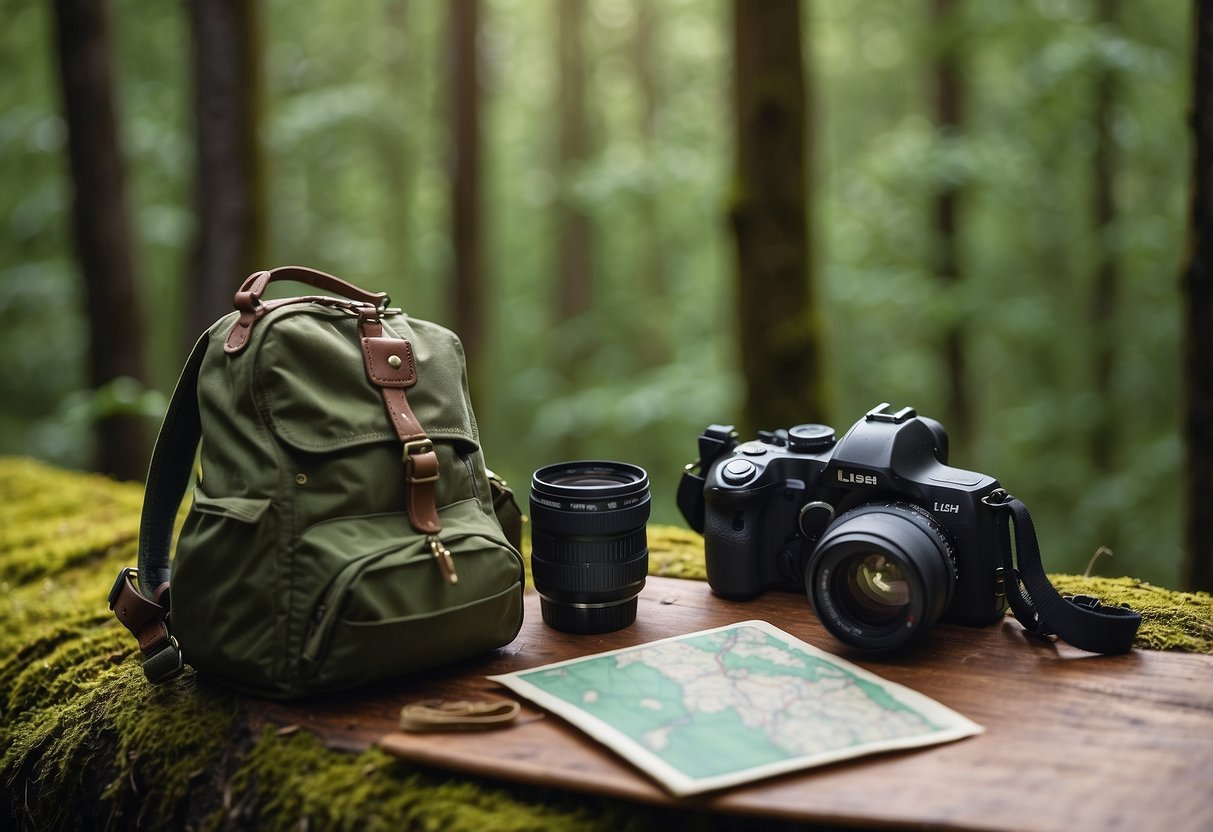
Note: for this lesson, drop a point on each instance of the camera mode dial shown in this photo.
(807, 439)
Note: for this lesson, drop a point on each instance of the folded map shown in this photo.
(734, 704)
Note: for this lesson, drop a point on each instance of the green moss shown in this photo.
(52, 519)
(78, 719)
(294, 782)
(1170, 620)
(676, 553)
(90, 726)
(86, 742)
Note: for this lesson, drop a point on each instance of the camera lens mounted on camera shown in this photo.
(881, 575)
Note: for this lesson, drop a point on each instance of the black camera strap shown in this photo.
(1081, 620)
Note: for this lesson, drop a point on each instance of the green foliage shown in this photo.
(356, 136)
(1028, 254)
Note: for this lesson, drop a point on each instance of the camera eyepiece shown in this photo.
(589, 550)
(881, 575)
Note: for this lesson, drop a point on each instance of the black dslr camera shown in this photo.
(884, 536)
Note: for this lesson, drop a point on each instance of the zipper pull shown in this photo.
(446, 563)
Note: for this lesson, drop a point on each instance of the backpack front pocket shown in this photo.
(386, 608)
(220, 636)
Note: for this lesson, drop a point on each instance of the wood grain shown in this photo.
(1073, 741)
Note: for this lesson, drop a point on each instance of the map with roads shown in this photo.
(734, 704)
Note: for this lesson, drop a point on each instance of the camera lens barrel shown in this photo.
(881, 575)
(589, 549)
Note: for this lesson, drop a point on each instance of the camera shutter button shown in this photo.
(737, 471)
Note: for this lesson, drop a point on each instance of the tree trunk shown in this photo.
(469, 282)
(779, 322)
(1198, 320)
(102, 226)
(229, 175)
(653, 279)
(949, 120)
(575, 266)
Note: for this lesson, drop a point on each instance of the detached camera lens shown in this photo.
(589, 551)
(881, 575)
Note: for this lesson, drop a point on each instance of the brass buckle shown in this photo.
(416, 448)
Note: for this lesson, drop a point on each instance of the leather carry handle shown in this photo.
(254, 286)
(251, 308)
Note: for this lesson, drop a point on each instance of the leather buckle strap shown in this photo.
(146, 620)
(415, 461)
(420, 475)
(390, 367)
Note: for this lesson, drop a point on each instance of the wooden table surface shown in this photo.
(1073, 741)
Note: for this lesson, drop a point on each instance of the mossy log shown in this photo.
(87, 743)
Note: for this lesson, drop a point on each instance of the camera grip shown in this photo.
(731, 553)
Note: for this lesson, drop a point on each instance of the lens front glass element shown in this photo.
(874, 589)
(589, 479)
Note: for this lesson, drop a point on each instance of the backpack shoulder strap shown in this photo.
(143, 608)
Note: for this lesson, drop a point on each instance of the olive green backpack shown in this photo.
(342, 530)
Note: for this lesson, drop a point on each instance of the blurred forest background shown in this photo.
(994, 216)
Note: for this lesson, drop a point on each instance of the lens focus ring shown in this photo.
(598, 522)
(582, 578)
(591, 550)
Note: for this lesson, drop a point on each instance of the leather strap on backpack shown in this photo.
(390, 367)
